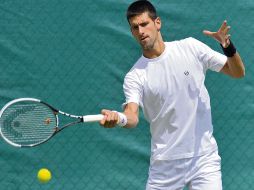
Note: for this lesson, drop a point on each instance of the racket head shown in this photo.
(27, 122)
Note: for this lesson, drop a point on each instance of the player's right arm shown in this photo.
(132, 112)
(111, 118)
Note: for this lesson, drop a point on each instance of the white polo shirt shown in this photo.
(171, 92)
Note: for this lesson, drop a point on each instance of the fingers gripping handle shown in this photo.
(92, 118)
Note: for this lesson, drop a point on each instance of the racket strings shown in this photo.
(28, 123)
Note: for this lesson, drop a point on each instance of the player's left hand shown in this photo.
(221, 35)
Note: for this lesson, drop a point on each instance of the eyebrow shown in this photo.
(137, 24)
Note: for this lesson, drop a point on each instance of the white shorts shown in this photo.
(197, 173)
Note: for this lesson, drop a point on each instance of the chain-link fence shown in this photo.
(74, 55)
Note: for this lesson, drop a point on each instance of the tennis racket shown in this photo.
(28, 122)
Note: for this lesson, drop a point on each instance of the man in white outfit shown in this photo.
(167, 82)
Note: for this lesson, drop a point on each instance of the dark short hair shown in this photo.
(139, 7)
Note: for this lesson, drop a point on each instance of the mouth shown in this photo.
(142, 39)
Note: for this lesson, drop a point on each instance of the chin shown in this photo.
(147, 47)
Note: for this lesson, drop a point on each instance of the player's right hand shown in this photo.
(110, 119)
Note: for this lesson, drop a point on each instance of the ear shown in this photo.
(157, 22)
(131, 31)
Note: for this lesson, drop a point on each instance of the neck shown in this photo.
(156, 51)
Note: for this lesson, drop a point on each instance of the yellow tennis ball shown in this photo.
(44, 175)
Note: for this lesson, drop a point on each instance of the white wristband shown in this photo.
(122, 119)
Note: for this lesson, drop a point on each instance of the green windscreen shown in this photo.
(74, 55)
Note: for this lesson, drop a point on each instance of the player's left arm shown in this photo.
(234, 66)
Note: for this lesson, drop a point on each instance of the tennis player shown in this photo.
(167, 82)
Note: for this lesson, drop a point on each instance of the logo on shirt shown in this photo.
(186, 73)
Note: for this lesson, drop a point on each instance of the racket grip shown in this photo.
(92, 118)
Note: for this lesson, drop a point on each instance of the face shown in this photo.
(145, 30)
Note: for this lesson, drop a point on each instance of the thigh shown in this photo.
(207, 175)
(166, 175)
(211, 181)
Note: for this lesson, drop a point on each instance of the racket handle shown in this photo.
(92, 118)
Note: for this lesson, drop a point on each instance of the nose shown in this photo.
(140, 30)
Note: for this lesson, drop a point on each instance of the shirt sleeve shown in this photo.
(132, 89)
(209, 58)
